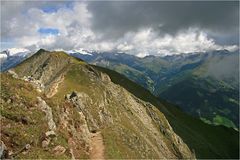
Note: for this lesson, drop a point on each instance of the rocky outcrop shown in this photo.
(36, 83)
(14, 75)
(48, 112)
(79, 134)
(79, 100)
(104, 77)
(3, 151)
(59, 150)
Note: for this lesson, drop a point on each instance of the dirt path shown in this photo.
(54, 88)
(97, 151)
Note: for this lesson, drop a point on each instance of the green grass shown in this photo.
(206, 120)
(233, 101)
(219, 120)
(113, 149)
(202, 97)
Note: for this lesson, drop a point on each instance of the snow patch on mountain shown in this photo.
(13, 56)
(14, 51)
(80, 50)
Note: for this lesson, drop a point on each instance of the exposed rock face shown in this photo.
(3, 151)
(13, 73)
(80, 100)
(85, 115)
(59, 150)
(36, 83)
(48, 111)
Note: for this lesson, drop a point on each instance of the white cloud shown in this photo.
(147, 42)
(74, 25)
(13, 51)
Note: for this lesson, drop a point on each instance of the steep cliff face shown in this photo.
(55, 106)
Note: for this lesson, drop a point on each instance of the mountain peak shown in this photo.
(42, 50)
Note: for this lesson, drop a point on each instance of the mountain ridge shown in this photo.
(85, 103)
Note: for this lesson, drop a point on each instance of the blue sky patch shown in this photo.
(53, 8)
(48, 31)
(49, 9)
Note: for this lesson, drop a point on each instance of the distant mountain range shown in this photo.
(11, 57)
(204, 85)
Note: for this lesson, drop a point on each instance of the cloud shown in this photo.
(230, 71)
(139, 28)
(117, 18)
(148, 42)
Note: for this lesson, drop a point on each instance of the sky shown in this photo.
(137, 27)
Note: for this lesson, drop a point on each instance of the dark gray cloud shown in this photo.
(219, 18)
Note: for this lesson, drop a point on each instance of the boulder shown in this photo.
(59, 150)
(50, 134)
(45, 143)
(3, 151)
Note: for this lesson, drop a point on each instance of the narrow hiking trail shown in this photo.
(97, 150)
(54, 88)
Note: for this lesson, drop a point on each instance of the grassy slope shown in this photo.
(200, 94)
(22, 122)
(207, 141)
